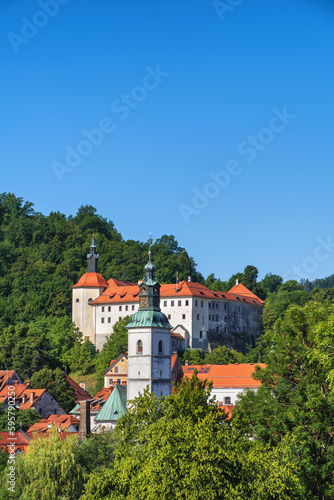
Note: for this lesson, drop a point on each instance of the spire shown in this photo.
(92, 257)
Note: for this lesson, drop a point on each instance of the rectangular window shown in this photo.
(217, 329)
(196, 302)
(110, 381)
(217, 305)
(227, 400)
(169, 316)
(172, 302)
(119, 318)
(197, 316)
(179, 302)
(118, 381)
(109, 320)
(109, 309)
(225, 318)
(225, 306)
(165, 303)
(209, 305)
(116, 369)
(120, 308)
(102, 320)
(209, 317)
(183, 316)
(200, 334)
(187, 302)
(133, 308)
(102, 309)
(126, 308)
(202, 303)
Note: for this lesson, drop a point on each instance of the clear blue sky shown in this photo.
(203, 89)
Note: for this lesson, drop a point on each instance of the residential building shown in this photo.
(28, 398)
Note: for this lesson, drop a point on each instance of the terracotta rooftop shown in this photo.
(229, 375)
(62, 421)
(20, 438)
(7, 374)
(240, 289)
(89, 280)
(130, 293)
(80, 394)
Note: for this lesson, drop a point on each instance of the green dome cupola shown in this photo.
(149, 312)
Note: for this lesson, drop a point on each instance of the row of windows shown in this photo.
(213, 305)
(172, 303)
(118, 381)
(213, 317)
(126, 308)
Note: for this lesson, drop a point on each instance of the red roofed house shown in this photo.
(27, 398)
(14, 442)
(9, 377)
(228, 380)
(80, 394)
(64, 423)
(197, 314)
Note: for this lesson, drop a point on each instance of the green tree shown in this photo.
(49, 470)
(271, 283)
(115, 345)
(193, 356)
(81, 356)
(55, 382)
(296, 395)
(223, 354)
(23, 418)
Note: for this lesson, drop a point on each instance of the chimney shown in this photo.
(24, 399)
(32, 397)
(83, 385)
(189, 278)
(186, 362)
(84, 428)
(237, 282)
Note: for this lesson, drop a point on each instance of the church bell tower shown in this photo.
(149, 344)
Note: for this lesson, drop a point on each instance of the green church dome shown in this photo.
(148, 317)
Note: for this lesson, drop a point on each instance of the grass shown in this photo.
(90, 378)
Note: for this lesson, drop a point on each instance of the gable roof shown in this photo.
(96, 402)
(130, 293)
(7, 376)
(115, 406)
(114, 362)
(80, 394)
(229, 375)
(20, 438)
(240, 289)
(63, 421)
(91, 280)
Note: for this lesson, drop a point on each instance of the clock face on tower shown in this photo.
(143, 302)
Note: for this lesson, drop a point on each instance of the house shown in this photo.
(113, 409)
(117, 372)
(80, 393)
(64, 423)
(9, 377)
(28, 398)
(95, 404)
(229, 380)
(231, 318)
(14, 442)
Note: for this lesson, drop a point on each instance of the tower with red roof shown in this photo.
(89, 287)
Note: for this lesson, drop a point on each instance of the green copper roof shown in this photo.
(115, 406)
(148, 317)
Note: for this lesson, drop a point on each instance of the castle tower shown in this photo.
(149, 344)
(89, 287)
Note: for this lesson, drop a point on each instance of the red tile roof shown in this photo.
(229, 375)
(227, 409)
(5, 375)
(19, 389)
(130, 293)
(240, 289)
(89, 280)
(80, 394)
(20, 438)
(59, 421)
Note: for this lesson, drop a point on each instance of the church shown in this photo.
(196, 316)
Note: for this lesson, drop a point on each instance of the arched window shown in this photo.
(227, 400)
(77, 300)
(139, 347)
(160, 347)
(90, 300)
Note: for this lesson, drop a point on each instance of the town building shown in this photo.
(28, 398)
(199, 317)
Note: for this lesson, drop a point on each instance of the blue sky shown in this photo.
(182, 94)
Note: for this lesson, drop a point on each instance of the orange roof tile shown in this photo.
(80, 394)
(229, 375)
(130, 293)
(240, 289)
(19, 389)
(20, 438)
(91, 280)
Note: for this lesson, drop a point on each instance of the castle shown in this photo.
(197, 315)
